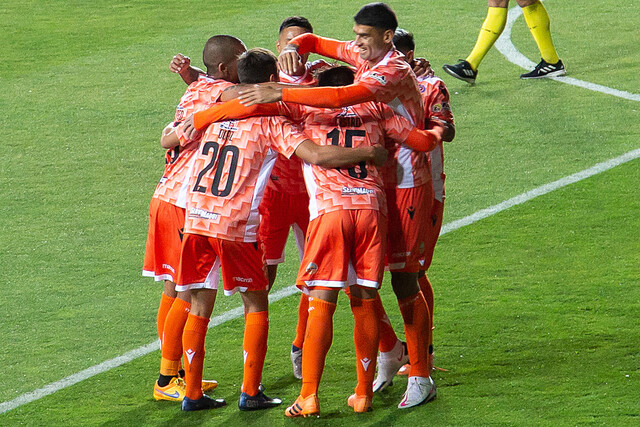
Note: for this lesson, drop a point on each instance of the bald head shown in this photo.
(220, 56)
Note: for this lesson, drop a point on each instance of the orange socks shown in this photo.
(417, 328)
(256, 330)
(195, 331)
(365, 336)
(165, 306)
(303, 314)
(387, 336)
(427, 291)
(172, 340)
(317, 342)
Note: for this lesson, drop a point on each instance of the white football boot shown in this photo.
(419, 390)
(388, 364)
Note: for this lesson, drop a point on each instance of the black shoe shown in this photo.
(462, 70)
(259, 401)
(544, 69)
(205, 402)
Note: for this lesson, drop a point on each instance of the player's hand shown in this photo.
(290, 61)
(260, 94)
(179, 64)
(380, 155)
(188, 129)
(422, 68)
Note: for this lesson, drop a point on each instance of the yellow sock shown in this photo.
(537, 20)
(491, 29)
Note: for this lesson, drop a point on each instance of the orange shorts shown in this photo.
(278, 213)
(162, 253)
(409, 213)
(435, 224)
(242, 263)
(342, 240)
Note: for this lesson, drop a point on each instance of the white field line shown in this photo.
(283, 293)
(507, 48)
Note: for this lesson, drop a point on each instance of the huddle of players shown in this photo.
(220, 179)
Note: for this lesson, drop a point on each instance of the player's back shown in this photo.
(199, 95)
(230, 172)
(357, 187)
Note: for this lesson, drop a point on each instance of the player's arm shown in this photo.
(401, 131)
(324, 97)
(334, 156)
(290, 59)
(424, 140)
(231, 110)
(169, 139)
(181, 65)
(449, 129)
(442, 116)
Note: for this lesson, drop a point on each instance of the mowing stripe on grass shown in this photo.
(513, 55)
(283, 293)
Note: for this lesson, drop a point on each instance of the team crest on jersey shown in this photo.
(422, 88)
(180, 114)
(378, 77)
(436, 108)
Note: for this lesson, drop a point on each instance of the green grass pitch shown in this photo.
(537, 307)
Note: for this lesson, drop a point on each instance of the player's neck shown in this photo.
(374, 61)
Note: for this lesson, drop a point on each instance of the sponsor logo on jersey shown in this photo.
(436, 108)
(356, 191)
(168, 267)
(378, 77)
(201, 213)
(243, 279)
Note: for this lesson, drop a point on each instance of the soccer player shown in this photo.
(167, 212)
(285, 202)
(537, 20)
(383, 75)
(437, 113)
(229, 175)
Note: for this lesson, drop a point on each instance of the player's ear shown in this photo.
(387, 36)
(223, 69)
(273, 78)
(410, 56)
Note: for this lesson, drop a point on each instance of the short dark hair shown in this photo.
(220, 49)
(378, 15)
(296, 21)
(257, 65)
(336, 76)
(403, 40)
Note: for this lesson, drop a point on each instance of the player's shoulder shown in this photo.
(430, 80)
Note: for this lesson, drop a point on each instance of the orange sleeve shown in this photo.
(309, 42)
(423, 140)
(328, 97)
(232, 110)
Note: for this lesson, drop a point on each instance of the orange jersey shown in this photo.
(230, 172)
(358, 187)
(390, 81)
(286, 176)
(437, 108)
(200, 95)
